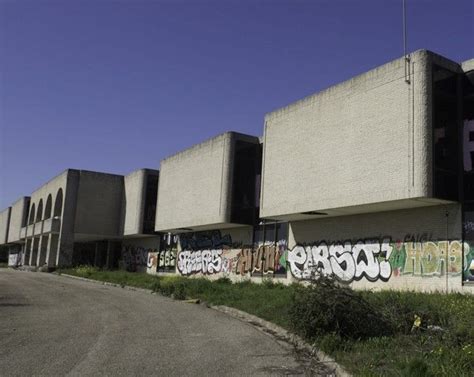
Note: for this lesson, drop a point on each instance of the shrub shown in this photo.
(224, 280)
(86, 270)
(327, 308)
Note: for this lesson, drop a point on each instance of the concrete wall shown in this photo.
(366, 140)
(413, 249)
(405, 249)
(195, 186)
(135, 193)
(214, 254)
(134, 202)
(4, 225)
(468, 65)
(140, 254)
(17, 218)
(99, 205)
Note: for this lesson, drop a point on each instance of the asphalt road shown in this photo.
(55, 326)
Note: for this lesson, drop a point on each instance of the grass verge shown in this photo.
(417, 334)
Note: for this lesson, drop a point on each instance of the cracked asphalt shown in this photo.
(55, 326)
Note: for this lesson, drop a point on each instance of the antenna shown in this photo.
(407, 57)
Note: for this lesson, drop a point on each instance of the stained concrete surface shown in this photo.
(52, 325)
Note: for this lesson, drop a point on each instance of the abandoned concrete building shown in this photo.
(82, 217)
(370, 181)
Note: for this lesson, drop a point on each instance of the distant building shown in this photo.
(82, 217)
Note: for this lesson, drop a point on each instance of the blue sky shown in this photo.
(118, 85)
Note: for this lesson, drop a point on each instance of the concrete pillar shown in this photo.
(42, 250)
(65, 252)
(97, 255)
(34, 251)
(108, 261)
(26, 252)
(52, 250)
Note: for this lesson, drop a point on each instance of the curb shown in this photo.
(285, 335)
(261, 324)
(127, 287)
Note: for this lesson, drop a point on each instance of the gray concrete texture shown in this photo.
(364, 141)
(17, 219)
(4, 224)
(134, 200)
(98, 205)
(60, 326)
(195, 188)
(75, 206)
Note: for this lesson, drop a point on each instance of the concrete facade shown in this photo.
(4, 224)
(370, 181)
(135, 201)
(196, 186)
(351, 187)
(18, 219)
(78, 217)
(360, 146)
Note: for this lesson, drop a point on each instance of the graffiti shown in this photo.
(204, 240)
(418, 237)
(469, 265)
(346, 262)
(167, 260)
(227, 266)
(267, 259)
(469, 226)
(15, 260)
(468, 145)
(244, 261)
(206, 262)
(152, 262)
(161, 261)
(375, 260)
(430, 258)
(135, 257)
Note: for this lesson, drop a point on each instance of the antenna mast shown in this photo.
(406, 56)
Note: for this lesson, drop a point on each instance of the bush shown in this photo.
(86, 270)
(327, 308)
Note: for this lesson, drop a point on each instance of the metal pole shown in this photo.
(407, 58)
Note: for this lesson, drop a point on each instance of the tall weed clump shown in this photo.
(326, 308)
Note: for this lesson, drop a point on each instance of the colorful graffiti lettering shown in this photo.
(469, 265)
(206, 262)
(376, 260)
(267, 259)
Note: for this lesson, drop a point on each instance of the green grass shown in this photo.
(406, 352)
(3, 265)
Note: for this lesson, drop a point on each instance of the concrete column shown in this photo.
(97, 255)
(52, 250)
(108, 260)
(34, 251)
(65, 252)
(42, 250)
(26, 252)
(48, 249)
